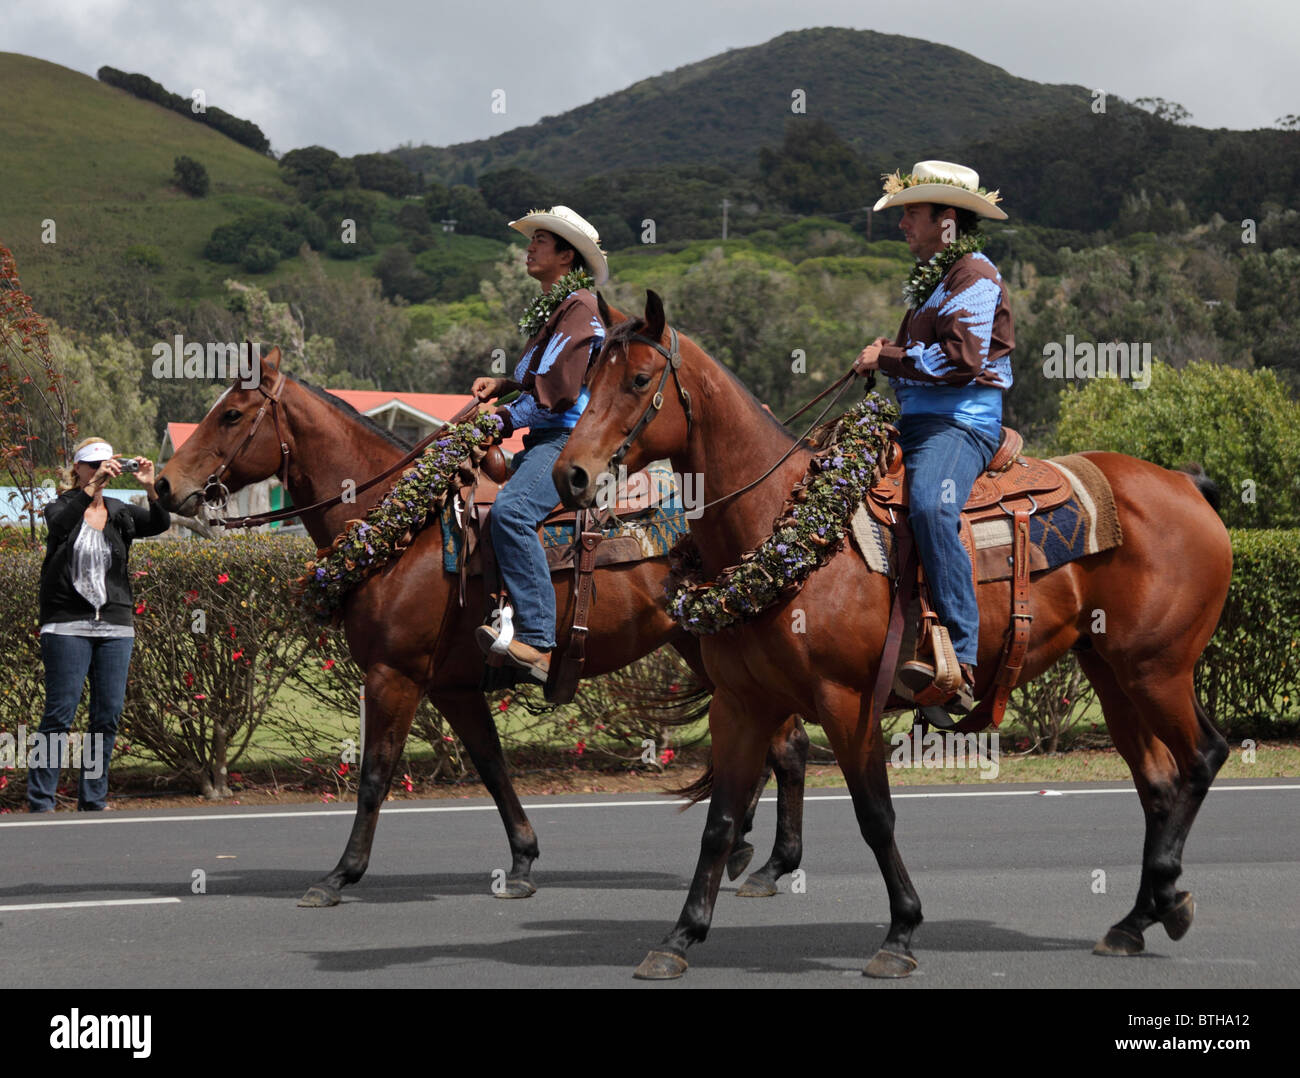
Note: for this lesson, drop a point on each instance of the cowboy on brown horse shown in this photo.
(949, 366)
(563, 331)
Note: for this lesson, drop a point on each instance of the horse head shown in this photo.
(237, 443)
(628, 389)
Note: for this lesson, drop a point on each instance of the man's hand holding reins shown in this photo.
(869, 358)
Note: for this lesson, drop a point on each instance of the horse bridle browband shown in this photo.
(673, 354)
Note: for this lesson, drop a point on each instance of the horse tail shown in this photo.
(1208, 487)
(698, 790)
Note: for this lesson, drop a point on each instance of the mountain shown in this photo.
(891, 97)
(98, 163)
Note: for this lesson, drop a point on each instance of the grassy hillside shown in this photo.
(892, 97)
(99, 163)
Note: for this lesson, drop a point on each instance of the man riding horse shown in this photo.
(563, 330)
(949, 365)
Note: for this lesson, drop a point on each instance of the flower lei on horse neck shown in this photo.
(809, 530)
(540, 310)
(418, 495)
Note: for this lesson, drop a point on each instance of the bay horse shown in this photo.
(406, 629)
(818, 652)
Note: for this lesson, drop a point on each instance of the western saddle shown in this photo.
(1014, 486)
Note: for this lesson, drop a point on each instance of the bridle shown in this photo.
(216, 496)
(673, 354)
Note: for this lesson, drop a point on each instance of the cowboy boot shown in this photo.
(517, 653)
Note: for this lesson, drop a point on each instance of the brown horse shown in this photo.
(818, 652)
(406, 629)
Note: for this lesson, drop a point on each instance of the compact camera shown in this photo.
(129, 464)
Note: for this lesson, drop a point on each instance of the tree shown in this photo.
(190, 176)
(815, 170)
(1240, 426)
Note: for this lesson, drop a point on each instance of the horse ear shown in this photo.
(654, 315)
(272, 358)
(606, 315)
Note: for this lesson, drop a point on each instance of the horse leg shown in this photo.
(787, 757)
(743, 852)
(467, 712)
(859, 747)
(740, 740)
(1174, 752)
(391, 699)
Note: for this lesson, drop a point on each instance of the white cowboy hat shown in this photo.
(562, 221)
(943, 183)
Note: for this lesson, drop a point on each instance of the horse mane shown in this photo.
(351, 413)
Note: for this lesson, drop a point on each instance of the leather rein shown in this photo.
(216, 495)
(673, 355)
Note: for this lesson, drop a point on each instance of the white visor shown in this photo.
(93, 453)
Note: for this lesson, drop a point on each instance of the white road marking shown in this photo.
(78, 820)
(83, 905)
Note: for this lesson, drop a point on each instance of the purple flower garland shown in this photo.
(808, 531)
(369, 544)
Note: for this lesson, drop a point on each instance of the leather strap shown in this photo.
(575, 655)
(897, 618)
(1013, 656)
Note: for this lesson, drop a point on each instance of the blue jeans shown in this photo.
(524, 503)
(935, 451)
(67, 660)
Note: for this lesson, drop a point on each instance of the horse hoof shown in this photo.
(660, 966)
(320, 896)
(741, 854)
(756, 887)
(1119, 943)
(517, 889)
(890, 965)
(1179, 919)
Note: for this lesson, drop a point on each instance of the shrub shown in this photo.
(190, 176)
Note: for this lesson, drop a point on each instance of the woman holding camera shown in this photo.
(86, 615)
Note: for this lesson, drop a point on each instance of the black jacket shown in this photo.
(60, 601)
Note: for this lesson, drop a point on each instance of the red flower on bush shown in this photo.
(236, 654)
(580, 747)
(4, 781)
(667, 756)
(189, 679)
(190, 596)
(200, 696)
(232, 632)
(328, 664)
(503, 705)
(674, 687)
(139, 609)
(407, 784)
(223, 578)
(343, 769)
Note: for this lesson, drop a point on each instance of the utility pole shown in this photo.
(725, 203)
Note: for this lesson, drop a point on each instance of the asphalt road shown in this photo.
(1008, 878)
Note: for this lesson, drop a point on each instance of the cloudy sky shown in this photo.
(359, 77)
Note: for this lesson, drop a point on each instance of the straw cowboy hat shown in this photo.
(562, 221)
(943, 183)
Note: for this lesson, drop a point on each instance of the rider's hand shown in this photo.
(869, 358)
(145, 476)
(486, 388)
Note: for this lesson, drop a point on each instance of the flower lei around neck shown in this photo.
(925, 276)
(809, 530)
(541, 309)
(368, 545)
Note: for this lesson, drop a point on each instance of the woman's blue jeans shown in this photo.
(68, 659)
(943, 459)
(524, 503)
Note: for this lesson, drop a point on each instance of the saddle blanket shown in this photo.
(1086, 524)
(649, 534)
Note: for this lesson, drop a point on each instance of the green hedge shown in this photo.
(196, 699)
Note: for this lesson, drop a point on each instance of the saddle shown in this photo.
(1013, 485)
(639, 496)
